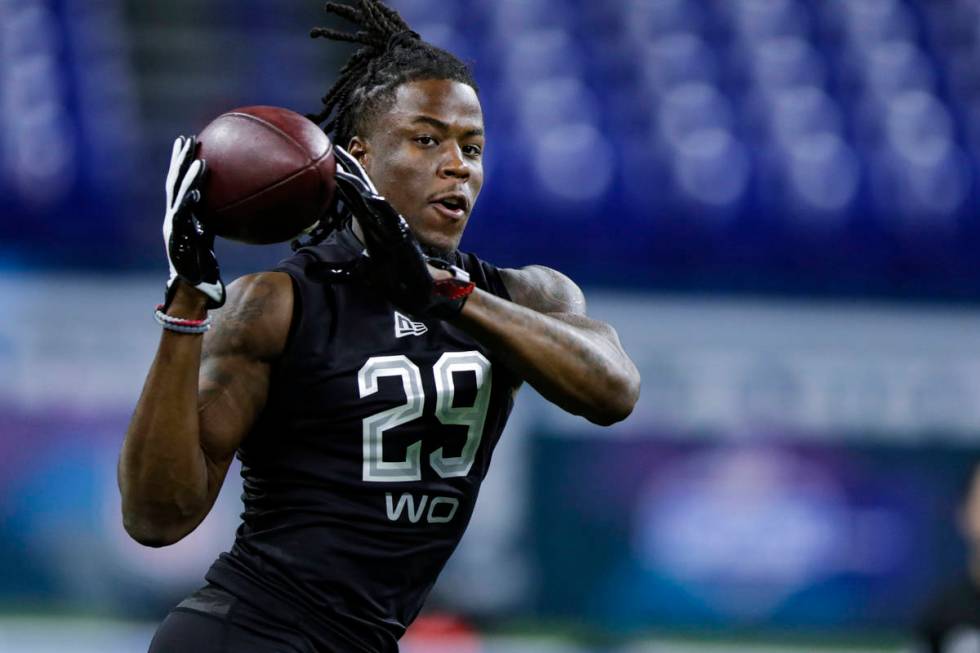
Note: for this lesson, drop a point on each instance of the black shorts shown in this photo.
(213, 621)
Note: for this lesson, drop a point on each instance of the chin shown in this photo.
(435, 236)
(438, 250)
(440, 245)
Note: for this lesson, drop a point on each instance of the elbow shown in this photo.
(148, 535)
(151, 540)
(618, 403)
(150, 532)
(155, 515)
(610, 415)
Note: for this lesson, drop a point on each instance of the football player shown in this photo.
(363, 383)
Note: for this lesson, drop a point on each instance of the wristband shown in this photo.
(453, 289)
(458, 286)
(181, 325)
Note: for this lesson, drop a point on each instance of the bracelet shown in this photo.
(181, 325)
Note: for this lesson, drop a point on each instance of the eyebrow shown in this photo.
(438, 124)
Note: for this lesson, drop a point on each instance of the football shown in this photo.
(270, 174)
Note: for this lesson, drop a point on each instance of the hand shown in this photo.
(397, 261)
(190, 247)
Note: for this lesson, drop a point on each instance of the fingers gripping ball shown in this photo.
(270, 174)
(189, 247)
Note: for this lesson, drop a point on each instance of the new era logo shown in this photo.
(406, 327)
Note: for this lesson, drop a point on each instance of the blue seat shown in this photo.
(755, 19)
(541, 53)
(691, 107)
(894, 66)
(792, 113)
(416, 12)
(864, 22)
(573, 161)
(821, 176)
(784, 61)
(920, 168)
(651, 19)
(678, 58)
(512, 17)
(554, 101)
(711, 170)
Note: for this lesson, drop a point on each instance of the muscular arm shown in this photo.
(544, 335)
(200, 399)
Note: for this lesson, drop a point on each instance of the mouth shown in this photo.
(451, 205)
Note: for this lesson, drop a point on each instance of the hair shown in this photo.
(391, 54)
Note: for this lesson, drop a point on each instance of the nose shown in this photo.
(454, 164)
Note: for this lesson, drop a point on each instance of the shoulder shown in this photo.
(256, 317)
(543, 289)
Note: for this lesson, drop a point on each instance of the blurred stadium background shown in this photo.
(775, 201)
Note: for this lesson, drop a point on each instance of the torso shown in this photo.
(362, 471)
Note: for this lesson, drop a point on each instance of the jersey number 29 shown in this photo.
(472, 417)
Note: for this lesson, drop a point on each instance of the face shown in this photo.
(425, 155)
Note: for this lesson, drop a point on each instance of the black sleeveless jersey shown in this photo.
(361, 473)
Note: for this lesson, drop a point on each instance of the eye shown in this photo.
(473, 150)
(425, 140)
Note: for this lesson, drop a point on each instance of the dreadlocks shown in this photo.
(391, 55)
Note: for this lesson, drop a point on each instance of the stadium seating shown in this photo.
(729, 137)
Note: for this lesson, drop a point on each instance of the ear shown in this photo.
(358, 149)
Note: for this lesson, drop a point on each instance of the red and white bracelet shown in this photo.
(181, 325)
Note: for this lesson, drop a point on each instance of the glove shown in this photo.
(397, 262)
(190, 247)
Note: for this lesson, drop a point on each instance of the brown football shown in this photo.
(270, 174)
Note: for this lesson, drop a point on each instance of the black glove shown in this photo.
(190, 247)
(397, 262)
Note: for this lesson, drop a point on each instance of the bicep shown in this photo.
(544, 290)
(550, 292)
(249, 334)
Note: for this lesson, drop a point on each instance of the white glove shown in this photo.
(190, 246)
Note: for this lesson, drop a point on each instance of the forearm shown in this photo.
(581, 371)
(163, 474)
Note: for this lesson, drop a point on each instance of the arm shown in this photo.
(199, 401)
(544, 335)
